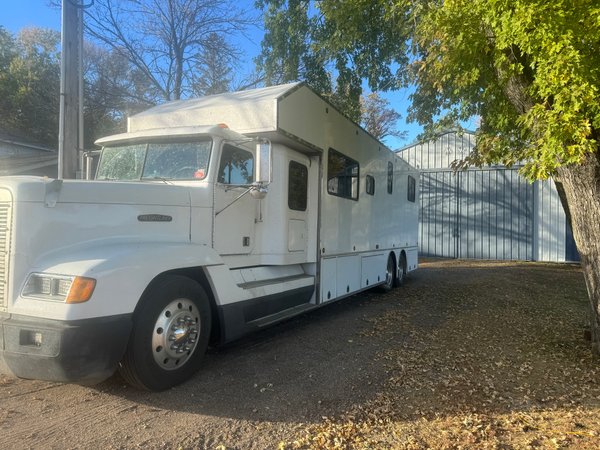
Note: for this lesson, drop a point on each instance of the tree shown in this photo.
(29, 83)
(213, 73)
(7, 49)
(168, 38)
(288, 53)
(114, 89)
(527, 68)
(378, 118)
(302, 43)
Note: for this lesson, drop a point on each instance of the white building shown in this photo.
(22, 156)
(485, 213)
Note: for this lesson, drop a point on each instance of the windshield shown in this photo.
(155, 161)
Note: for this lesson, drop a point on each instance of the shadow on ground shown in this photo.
(314, 365)
(470, 337)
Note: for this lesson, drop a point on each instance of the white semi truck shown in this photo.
(207, 219)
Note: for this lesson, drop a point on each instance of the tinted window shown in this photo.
(370, 182)
(342, 175)
(298, 186)
(412, 187)
(390, 178)
(236, 167)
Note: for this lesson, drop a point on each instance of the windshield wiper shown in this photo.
(157, 178)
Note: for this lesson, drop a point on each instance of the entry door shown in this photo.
(234, 232)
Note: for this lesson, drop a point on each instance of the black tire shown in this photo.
(401, 273)
(390, 275)
(171, 329)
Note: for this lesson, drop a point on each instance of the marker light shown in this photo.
(81, 290)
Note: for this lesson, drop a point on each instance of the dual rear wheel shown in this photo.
(394, 274)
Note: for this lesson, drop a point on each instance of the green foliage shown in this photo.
(7, 49)
(530, 69)
(30, 87)
(290, 51)
(311, 42)
(29, 83)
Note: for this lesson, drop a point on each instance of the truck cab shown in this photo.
(193, 234)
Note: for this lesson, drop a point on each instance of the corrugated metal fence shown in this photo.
(482, 214)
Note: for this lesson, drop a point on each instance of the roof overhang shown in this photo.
(171, 132)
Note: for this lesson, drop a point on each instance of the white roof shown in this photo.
(251, 111)
(170, 132)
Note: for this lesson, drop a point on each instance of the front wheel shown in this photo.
(170, 334)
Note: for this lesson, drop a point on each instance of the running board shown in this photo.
(303, 279)
(285, 314)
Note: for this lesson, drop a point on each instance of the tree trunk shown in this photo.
(581, 185)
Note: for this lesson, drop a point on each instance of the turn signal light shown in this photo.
(81, 290)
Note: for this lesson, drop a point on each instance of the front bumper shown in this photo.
(84, 351)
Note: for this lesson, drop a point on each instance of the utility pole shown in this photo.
(70, 133)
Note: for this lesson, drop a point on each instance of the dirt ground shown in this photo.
(464, 355)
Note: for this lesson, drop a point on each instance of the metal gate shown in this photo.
(478, 213)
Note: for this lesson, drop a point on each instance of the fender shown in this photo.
(122, 271)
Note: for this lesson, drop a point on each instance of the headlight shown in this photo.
(59, 288)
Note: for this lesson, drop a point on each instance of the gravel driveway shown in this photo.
(465, 354)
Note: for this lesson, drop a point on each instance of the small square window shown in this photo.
(412, 188)
(370, 185)
(297, 186)
(342, 175)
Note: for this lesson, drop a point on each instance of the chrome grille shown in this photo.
(5, 225)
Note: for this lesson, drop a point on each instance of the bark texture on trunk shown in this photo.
(581, 185)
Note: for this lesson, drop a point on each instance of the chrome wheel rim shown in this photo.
(175, 334)
(401, 271)
(389, 273)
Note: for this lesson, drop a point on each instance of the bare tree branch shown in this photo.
(163, 39)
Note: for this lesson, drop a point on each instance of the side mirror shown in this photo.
(263, 162)
(258, 191)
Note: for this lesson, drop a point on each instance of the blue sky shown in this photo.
(17, 14)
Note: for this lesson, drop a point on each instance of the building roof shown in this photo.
(439, 152)
(25, 165)
(22, 155)
(22, 140)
